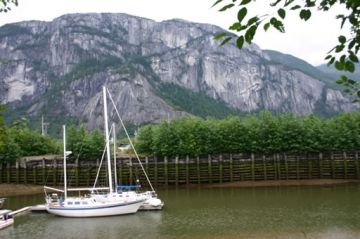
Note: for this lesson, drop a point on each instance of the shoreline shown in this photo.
(9, 190)
(283, 183)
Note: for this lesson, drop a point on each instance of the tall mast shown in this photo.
(107, 140)
(64, 142)
(115, 172)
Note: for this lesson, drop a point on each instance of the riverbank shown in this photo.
(7, 190)
(282, 183)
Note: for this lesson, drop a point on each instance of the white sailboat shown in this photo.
(5, 219)
(152, 201)
(109, 203)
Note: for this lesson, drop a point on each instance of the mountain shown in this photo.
(154, 70)
(332, 73)
(298, 64)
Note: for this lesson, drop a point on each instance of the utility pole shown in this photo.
(44, 126)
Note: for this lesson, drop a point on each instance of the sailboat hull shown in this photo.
(100, 210)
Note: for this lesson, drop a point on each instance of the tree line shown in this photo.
(18, 140)
(259, 133)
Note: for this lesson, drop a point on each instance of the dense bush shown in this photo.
(18, 141)
(262, 133)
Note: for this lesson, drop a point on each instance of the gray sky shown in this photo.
(309, 41)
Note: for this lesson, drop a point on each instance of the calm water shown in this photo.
(321, 212)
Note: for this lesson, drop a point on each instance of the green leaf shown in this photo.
(244, 2)
(277, 24)
(275, 3)
(241, 14)
(339, 48)
(310, 3)
(266, 26)
(226, 7)
(328, 57)
(339, 65)
(240, 42)
(216, 3)
(351, 82)
(342, 39)
(295, 7)
(235, 27)
(349, 66)
(225, 41)
(219, 36)
(282, 13)
(352, 44)
(252, 21)
(305, 14)
(331, 61)
(342, 59)
(353, 57)
(249, 35)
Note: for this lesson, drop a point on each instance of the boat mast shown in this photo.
(115, 173)
(107, 140)
(64, 142)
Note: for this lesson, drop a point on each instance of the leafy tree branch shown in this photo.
(5, 5)
(343, 56)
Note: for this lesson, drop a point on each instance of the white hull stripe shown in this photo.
(93, 208)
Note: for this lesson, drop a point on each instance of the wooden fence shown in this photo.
(189, 170)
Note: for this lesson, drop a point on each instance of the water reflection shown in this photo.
(287, 212)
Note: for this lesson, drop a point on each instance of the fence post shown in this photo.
(345, 166)
(357, 164)
(276, 177)
(278, 166)
(147, 165)
(8, 176)
(130, 171)
(177, 170)
(309, 167)
(55, 172)
(25, 173)
(264, 166)
(198, 169)
(17, 171)
(156, 170)
(220, 168)
(231, 167)
(187, 170)
(43, 171)
(320, 165)
(1, 172)
(166, 171)
(209, 169)
(286, 166)
(77, 174)
(252, 167)
(332, 165)
(297, 167)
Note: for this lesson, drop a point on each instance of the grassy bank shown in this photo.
(7, 190)
(281, 183)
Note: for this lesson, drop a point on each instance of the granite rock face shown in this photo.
(58, 68)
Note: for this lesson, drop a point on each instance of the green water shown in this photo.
(317, 212)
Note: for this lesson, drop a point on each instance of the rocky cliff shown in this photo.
(57, 68)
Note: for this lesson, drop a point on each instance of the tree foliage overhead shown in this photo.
(344, 55)
(5, 5)
(263, 133)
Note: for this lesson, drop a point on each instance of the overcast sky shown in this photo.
(309, 41)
